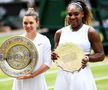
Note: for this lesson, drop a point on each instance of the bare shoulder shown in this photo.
(93, 34)
(92, 31)
(62, 29)
(58, 31)
(57, 38)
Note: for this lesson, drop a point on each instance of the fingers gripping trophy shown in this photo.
(69, 57)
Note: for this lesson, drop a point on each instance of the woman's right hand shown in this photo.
(54, 56)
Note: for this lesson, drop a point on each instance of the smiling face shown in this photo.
(75, 15)
(30, 24)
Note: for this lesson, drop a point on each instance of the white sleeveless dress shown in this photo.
(43, 46)
(82, 80)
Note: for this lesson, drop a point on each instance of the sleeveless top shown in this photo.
(79, 37)
(82, 80)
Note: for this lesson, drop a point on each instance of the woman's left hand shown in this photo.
(84, 62)
(28, 76)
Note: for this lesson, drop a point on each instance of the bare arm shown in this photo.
(46, 62)
(96, 46)
(54, 56)
(41, 70)
(57, 38)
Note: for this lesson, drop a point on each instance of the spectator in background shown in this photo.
(31, 3)
(3, 28)
(6, 1)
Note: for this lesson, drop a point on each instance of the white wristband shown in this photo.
(87, 57)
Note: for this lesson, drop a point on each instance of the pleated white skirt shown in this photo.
(82, 80)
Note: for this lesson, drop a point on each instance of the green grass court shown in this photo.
(99, 70)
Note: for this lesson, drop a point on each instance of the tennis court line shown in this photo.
(101, 78)
(95, 65)
(97, 79)
(98, 64)
(54, 71)
(5, 79)
(51, 86)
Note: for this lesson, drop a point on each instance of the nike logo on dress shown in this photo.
(39, 44)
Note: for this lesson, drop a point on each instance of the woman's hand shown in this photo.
(28, 76)
(54, 56)
(84, 62)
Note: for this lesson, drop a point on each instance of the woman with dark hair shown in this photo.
(35, 80)
(79, 32)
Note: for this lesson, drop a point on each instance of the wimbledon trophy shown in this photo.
(18, 56)
(70, 57)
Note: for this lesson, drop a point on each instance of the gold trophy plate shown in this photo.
(70, 57)
(18, 56)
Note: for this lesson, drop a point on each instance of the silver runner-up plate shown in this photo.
(18, 56)
(70, 57)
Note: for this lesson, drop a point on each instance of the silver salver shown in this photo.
(18, 56)
(70, 57)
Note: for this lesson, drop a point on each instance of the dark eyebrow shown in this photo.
(25, 22)
(70, 14)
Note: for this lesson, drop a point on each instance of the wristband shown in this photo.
(87, 57)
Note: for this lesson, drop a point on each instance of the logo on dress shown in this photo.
(39, 44)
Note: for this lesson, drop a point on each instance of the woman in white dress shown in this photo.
(79, 32)
(35, 80)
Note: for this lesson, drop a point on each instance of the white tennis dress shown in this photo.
(37, 83)
(82, 80)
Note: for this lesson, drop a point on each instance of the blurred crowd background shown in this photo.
(12, 11)
(52, 14)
